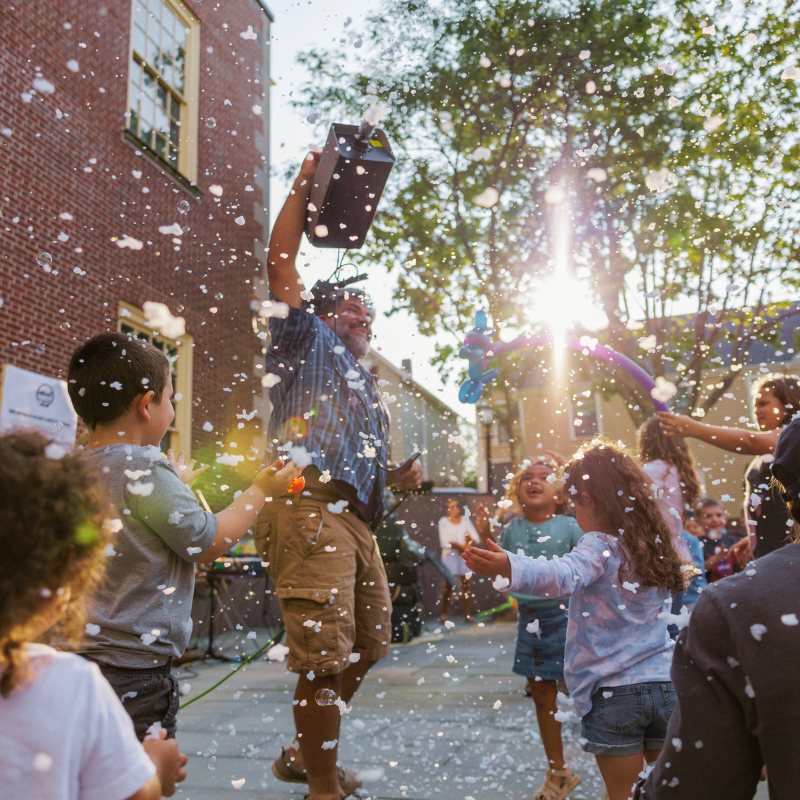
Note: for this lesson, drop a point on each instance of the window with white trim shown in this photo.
(163, 81)
(179, 353)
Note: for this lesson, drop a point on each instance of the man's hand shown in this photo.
(489, 563)
(169, 762)
(480, 519)
(188, 474)
(406, 479)
(308, 169)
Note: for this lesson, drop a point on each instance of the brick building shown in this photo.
(134, 167)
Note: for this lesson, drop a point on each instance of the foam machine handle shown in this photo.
(350, 180)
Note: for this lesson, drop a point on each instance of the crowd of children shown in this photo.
(600, 554)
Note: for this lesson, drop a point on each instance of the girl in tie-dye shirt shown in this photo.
(619, 579)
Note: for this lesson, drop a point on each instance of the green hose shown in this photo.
(242, 664)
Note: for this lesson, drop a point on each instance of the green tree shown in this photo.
(645, 148)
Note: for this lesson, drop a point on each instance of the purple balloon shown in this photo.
(494, 349)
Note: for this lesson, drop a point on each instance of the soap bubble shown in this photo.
(211, 122)
(183, 207)
(218, 296)
(325, 697)
(45, 261)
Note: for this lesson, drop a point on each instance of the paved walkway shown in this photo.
(444, 720)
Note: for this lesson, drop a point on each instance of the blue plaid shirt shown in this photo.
(327, 402)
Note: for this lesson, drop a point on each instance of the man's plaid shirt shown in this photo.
(327, 402)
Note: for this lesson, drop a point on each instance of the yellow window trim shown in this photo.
(187, 155)
(183, 408)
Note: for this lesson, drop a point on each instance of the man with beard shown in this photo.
(321, 554)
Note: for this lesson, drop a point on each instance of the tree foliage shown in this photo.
(666, 128)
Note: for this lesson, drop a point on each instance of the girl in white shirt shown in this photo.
(456, 534)
(64, 735)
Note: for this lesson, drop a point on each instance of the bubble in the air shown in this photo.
(325, 697)
(186, 229)
(45, 261)
(211, 122)
(183, 207)
(219, 296)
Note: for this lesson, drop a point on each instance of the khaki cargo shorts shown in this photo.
(330, 582)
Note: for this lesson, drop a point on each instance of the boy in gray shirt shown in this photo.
(140, 618)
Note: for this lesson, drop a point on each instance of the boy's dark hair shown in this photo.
(708, 502)
(107, 373)
(55, 523)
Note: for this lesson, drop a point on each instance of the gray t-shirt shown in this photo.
(143, 607)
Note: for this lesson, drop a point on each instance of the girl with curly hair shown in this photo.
(619, 580)
(776, 400)
(63, 732)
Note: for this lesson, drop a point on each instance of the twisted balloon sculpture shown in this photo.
(478, 348)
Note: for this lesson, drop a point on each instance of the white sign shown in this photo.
(29, 401)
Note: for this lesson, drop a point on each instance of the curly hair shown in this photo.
(55, 523)
(655, 445)
(620, 493)
(786, 390)
(512, 490)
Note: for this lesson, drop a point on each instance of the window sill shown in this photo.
(192, 188)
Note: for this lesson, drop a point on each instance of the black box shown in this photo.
(350, 180)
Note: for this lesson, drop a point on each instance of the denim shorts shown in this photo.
(148, 695)
(625, 720)
(541, 654)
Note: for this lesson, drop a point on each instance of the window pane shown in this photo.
(140, 14)
(175, 112)
(139, 41)
(161, 144)
(162, 121)
(155, 9)
(173, 135)
(180, 35)
(123, 328)
(149, 86)
(163, 96)
(133, 122)
(178, 82)
(153, 56)
(166, 70)
(168, 21)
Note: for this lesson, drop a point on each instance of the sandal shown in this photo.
(558, 784)
(285, 770)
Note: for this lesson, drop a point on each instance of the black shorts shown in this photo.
(148, 695)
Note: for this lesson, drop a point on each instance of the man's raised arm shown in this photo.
(284, 243)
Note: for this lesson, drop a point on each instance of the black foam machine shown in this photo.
(350, 180)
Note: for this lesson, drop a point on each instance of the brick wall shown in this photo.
(64, 152)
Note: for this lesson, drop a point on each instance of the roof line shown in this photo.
(265, 9)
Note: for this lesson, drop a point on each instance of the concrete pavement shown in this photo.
(445, 719)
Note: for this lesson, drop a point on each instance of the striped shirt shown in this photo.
(328, 403)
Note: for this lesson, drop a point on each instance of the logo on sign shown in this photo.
(45, 395)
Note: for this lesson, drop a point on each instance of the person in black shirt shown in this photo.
(776, 400)
(736, 678)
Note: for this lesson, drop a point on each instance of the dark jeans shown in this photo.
(148, 695)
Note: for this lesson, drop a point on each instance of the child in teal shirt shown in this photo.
(542, 530)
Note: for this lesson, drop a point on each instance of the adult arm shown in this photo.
(734, 440)
(709, 752)
(287, 233)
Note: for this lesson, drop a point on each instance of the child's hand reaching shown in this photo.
(169, 762)
(276, 478)
(480, 519)
(488, 563)
(188, 474)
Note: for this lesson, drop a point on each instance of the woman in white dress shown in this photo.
(456, 534)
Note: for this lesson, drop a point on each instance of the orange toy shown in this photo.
(297, 485)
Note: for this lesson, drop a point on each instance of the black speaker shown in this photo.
(350, 180)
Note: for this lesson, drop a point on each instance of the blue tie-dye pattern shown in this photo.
(621, 641)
